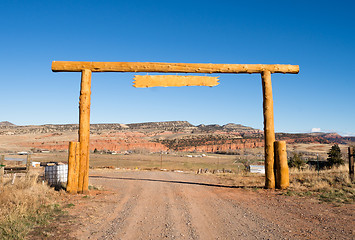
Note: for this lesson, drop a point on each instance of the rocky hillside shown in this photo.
(6, 124)
(172, 126)
(152, 137)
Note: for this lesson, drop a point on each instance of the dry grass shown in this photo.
(332, 185)
(169, 161)
(24, 205)
(242, 179)
(178, 161)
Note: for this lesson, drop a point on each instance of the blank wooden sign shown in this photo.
(145, 81)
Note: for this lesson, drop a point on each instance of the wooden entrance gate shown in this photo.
(86, 69)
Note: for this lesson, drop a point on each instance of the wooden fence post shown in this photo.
(351, 163)
(281, 167)
(2, 168)
(28, 162)
(269, 132)
(84, 130)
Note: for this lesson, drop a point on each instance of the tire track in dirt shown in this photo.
(167, 205)
(160, 213)
(215, 217)
(146, 219)
(181, 214)
(113, 210)
(116, 221)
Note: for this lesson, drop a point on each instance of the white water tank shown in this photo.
(56, 174)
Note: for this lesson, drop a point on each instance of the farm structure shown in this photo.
(15, 165)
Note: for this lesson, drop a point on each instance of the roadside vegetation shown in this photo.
(296, 161)
(330, 185)
(328, 182)
(25, 205)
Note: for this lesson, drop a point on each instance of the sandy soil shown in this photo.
(169, 205)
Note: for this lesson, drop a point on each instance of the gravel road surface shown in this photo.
(171, 205)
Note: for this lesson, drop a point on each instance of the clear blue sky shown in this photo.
(317, 35)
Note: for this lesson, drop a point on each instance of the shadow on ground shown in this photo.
(174, 181)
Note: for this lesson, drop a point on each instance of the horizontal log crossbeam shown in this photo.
(70, 66)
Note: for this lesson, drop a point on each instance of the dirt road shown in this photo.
(168, 205)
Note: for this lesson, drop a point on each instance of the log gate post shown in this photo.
(84, 130)
(269, 132)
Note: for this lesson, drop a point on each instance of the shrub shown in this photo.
(334, 156)
(296, 161)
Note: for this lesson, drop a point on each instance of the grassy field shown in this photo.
(178, 161)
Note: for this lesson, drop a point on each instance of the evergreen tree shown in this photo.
(334, 156)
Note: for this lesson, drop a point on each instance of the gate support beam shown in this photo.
(67, 66)
(282, 176)
(84, 130)
(73, 167)
(269, 132)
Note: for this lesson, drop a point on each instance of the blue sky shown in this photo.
(317, 35)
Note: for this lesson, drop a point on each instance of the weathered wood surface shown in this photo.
(73, 167)
(269, 132)
(28, 162)
(145, 81)
(2, 168)
(281, 167)
(351, 163)
(84, 130)
(16, 169)
(71, 66)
